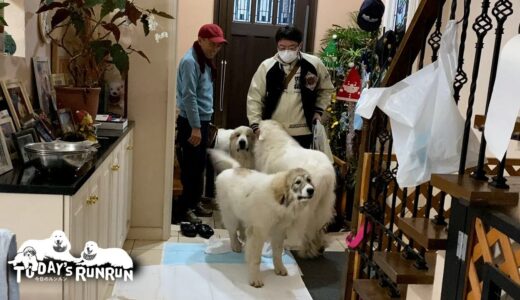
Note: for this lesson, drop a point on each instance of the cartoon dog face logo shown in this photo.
(93, 255)
(60, 242)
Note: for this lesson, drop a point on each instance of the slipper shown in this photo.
(353, 243)
(204, 230)
(188, 229)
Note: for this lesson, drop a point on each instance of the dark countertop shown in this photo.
(26, 179)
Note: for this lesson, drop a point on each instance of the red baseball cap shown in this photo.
(213, 32)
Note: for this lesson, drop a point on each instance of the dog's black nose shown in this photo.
(242, 144)
(310, 191)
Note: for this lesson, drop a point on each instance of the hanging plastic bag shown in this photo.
(320, 141)
(427, 127)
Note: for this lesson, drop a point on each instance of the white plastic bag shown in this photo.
(427, 127)
(320, 141)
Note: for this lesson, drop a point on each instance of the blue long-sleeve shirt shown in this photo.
(194, 90)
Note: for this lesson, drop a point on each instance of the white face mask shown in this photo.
(288, 56)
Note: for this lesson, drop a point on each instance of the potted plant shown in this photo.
(89, 33)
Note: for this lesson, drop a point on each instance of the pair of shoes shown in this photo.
(200, 211)
(190, 230)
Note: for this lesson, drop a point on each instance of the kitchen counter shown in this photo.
(26, 179)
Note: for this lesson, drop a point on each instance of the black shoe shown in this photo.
(200, 211)
(204, 230)
(188, 229)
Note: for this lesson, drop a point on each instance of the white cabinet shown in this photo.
(99, 211)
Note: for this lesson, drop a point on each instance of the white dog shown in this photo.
(239, 143)
(276, 151)
(262, 204)
(92, 255)
(56, 247)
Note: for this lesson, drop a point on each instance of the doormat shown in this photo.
(186, 272)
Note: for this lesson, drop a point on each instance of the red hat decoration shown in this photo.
(350, 90)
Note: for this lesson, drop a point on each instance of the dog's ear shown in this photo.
(280, 189)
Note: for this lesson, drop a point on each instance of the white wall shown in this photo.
(192, 15)
(150, 104)
(20, 67)
(332, 12)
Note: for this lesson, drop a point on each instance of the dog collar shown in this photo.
(59, 248)
(89, 256)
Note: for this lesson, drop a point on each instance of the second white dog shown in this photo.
(262, 204)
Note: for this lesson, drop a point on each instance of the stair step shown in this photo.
(369, 289)
(477, 192)
(480, 120)
(426, 233)
(402, 271)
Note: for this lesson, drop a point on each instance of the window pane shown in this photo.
(264, 11)
(286, 12)
(242, 11)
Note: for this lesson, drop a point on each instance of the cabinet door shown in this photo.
(115, 198)
(103, 218)
(126, 184)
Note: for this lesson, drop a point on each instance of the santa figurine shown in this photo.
(350, 90)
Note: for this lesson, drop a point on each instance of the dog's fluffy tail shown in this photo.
(222, 161)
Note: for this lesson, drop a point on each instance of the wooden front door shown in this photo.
(250, 27)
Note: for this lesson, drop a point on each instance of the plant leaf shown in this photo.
(119, 58)
(100, 49)
(50, 6)
(114, 29)
(146, 26)
(2, 21)
(160, 13)
(141, 53)
(2, 5)
(118, 15)
(107, 7)
(60, 15)
(92, 3)
(120, 4)
(132, 12)
(78, 22)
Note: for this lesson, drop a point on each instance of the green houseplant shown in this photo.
(89, 32)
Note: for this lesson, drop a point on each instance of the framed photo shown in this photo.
(43, 130)
(58, 80)
(23, 138)
(5, 161)
(19, 105)
(42, 77)
(66, 120)
(8, 129)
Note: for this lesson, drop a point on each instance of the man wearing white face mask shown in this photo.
(292, 87)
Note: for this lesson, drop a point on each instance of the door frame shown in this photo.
(220, 5)
(220, 9)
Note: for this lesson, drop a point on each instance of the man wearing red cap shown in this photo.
(195, 78)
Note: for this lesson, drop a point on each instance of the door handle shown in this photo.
(223, 88)
(221, 83)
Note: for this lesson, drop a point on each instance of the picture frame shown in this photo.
(44, 88)
(66, 120)
(8, 129)
(22, 138)
(58, 80)
(43, 130)
(18, 102)
(6, 164)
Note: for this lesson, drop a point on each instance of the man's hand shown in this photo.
(195, 137)
(317, 117)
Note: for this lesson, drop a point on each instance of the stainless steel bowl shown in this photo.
(59, 156)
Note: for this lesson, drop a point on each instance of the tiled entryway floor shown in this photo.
(149, 252)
